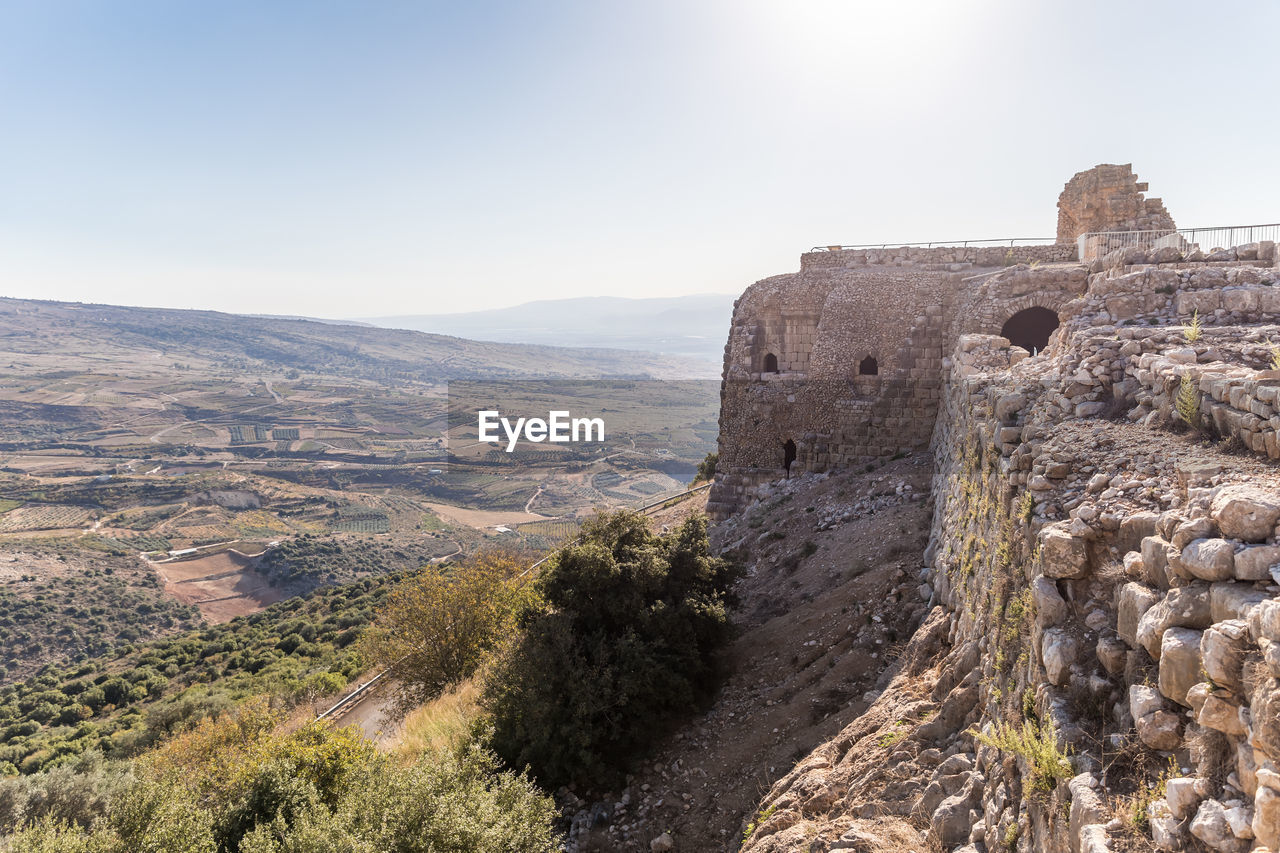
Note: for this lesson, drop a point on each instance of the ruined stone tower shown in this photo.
(842, 362)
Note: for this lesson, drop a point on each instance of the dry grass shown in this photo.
(443, 724)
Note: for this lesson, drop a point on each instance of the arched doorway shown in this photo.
(1030, 328)
(868, 367)
(788, 456)
(770, 363)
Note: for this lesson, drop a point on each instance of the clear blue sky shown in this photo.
(347, 159)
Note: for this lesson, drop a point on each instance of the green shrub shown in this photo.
(706, 468)
(621, 641)
(1187, 401)
(1038, 746)
(238, 785)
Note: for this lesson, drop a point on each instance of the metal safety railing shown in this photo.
(949, 244)
(1096, 244)
(353, 698)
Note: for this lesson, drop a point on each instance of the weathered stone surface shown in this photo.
(1234, 601)
(1093, 839)
(1155, 560)
(1086, 807)
(1186, 607)
(1266, 817)
(1135, 600)
(1264, 620)
(1240, 819)
(1058, 652)
(1209, 559)
(1167, 833)
(1180, 663)
(1008, 406)
(950, 823)
(1220, 715)
(1210, 826)
(1062, 554)
(1111, 652)
(1254, 563)
(1050, 607)
(1182, 796)
(1245, 512)
(1157, 727)
(1264, 711)
(1189, 531)
(1223, 647)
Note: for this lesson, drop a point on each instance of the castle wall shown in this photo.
(822, 322)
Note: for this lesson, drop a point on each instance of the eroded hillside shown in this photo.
(822, 617)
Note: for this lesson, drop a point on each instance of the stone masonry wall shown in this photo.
(1124, 595)
(818, 399)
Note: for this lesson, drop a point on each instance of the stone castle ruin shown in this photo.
(842, 362)
(1099, 669)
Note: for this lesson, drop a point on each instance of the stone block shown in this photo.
(1254, 562)
(1186, 607)
(1223, 647)
(1245, 512)
(1134, 600)
(1209, 559)
(1063, 555)
(1180, 663)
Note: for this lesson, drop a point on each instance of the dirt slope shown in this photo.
(831, 595)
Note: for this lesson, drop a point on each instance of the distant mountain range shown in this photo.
(690, 326)
(114, 337)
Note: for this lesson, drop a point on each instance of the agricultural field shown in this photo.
(296, 651)
(171, 439)
(69, 604)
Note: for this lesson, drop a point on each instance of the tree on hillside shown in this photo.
(438, 626)
(621, 640)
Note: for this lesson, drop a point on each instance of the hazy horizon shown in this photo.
(328, 160)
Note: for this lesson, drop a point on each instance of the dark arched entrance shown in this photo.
(868, 367)
(1030, 328)
(788, 455)
(770, 363)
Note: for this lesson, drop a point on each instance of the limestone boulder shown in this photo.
(1253, 563)
(1155, 560)
(1220, 715)
(1210, 825)
(1223, 647)
(1209, 559)
(1229, 600)
(1058, 651)
(1184, 607)
(1008, 406)
(1111, 651)
(1050, 608)
(1157, 726)
(1245, 512)
(1180, 663)
(1266, 817)
(1264, 620)
(1183, 796)
(1063, 555)
(1134, 600)
(1188, 531)
(1264, 711)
